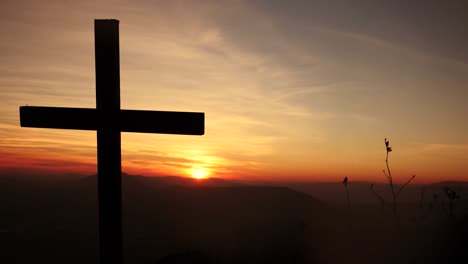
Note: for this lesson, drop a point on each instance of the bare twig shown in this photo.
(452, 196)
(345, 183)
(390, 178)
(380, 198)
(386, 175)
(421, 199)
(404, 185)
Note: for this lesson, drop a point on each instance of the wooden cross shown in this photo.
(109, 120)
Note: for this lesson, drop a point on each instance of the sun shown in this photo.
(198, 173)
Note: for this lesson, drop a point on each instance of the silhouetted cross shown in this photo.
(109, 120)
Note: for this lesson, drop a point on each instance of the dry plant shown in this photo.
(394, 191)
(378, 196)
(421, 198)
(345, 183)
(452, 195)
(389, 176)
(421, 203)
(350, 221)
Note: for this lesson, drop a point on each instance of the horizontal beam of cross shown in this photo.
(141, 121)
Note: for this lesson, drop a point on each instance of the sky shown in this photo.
(291, 90)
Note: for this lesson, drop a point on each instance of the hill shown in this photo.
(221, 221)
(335, 194)
(57, 221)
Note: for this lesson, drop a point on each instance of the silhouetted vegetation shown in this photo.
(378, 196)
(394, 191)
(452, 196)
(345, 183)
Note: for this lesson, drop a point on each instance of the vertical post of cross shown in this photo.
(106, 34)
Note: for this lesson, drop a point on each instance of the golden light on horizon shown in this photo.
(198, 173)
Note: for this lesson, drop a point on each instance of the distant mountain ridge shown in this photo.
(175, 181)
(167, 213)
(334, 192)
(329, 192)
(210, 186)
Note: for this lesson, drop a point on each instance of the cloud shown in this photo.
(279, 82)
(458, 150)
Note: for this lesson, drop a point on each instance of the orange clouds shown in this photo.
(286, 96)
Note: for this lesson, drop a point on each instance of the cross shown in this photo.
(109, 120)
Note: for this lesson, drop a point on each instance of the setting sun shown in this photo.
(198, 173)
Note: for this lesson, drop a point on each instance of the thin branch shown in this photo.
(421, 200)
(347, 197)
(386, 175)
(404, 185)
(382, 200)
(390, 178)
(388, 168)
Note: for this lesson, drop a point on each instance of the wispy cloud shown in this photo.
(281, 84)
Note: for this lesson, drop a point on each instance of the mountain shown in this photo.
(56, 221)
(161, 215)
(360, 194)
(165, 181)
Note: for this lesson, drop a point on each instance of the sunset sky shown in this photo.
(291, 90)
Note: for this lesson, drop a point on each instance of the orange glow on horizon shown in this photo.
(198, 173)
(38, 161)
(28, 163)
